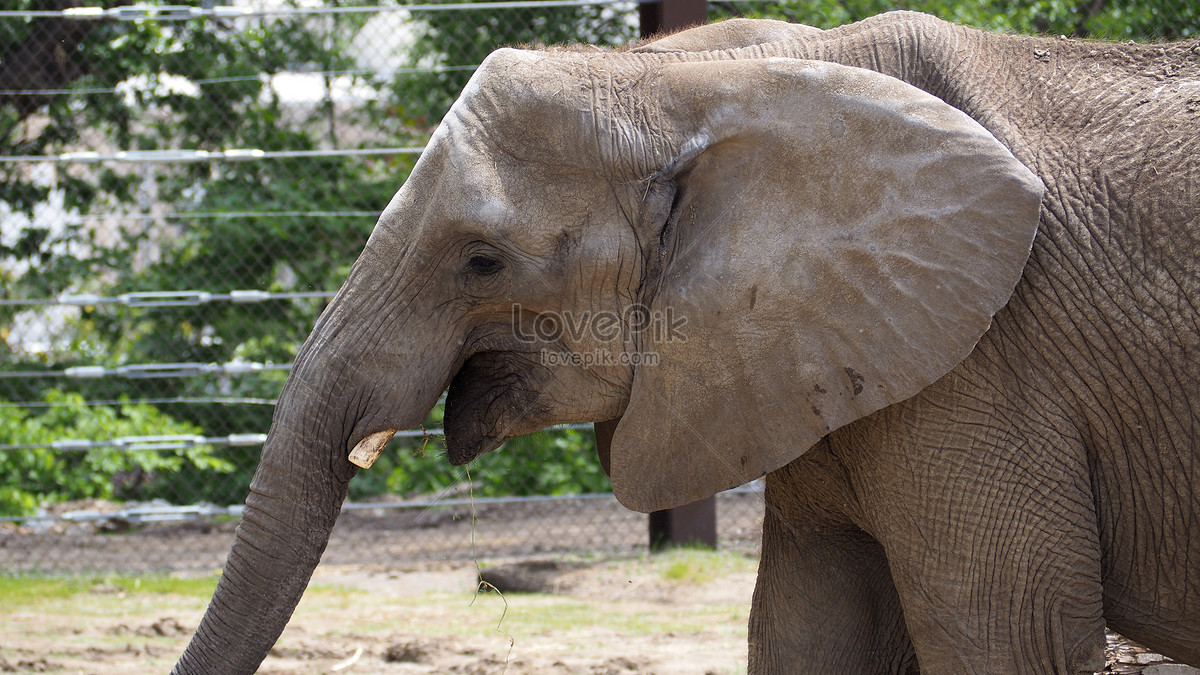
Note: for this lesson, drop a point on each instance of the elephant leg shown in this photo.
(824, 601)
(988, 522)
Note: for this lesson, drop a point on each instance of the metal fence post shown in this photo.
(696, 523)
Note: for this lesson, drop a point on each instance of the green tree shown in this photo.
(1108, 19)
(455, 41)
(157, 85)
(36, 474)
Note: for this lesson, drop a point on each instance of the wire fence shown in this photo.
(185, 187)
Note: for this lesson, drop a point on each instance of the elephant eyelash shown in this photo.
(483, 265)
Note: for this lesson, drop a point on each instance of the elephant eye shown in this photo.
(483, 266)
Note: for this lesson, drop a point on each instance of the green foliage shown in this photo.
(1109, 19)
(554, 463)
(455, 39)
(559, 462)
(191, 84)
(228, 105)
(32, 475)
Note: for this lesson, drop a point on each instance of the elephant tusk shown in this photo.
(368, 449)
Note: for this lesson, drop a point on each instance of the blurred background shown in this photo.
(183, 188)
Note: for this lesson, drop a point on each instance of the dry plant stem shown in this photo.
(483, 585)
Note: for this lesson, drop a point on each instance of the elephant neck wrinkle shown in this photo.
(963, 66)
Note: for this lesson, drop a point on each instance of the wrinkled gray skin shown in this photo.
(972, 498)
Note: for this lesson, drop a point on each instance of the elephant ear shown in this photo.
(837, 241)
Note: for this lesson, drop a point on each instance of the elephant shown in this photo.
(939, 286)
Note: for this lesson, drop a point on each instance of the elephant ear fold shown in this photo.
(837, 241)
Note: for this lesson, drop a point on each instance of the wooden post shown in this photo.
(696, 523)
(665, 16)
(691, 525)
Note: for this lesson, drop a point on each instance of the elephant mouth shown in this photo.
(491, 400)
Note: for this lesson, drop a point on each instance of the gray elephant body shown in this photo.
(1051, 482)
(991, 474)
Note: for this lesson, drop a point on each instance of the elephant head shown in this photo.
(719, 262)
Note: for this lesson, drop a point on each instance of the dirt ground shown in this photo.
(397, 593)
(682, 613)
(671, 616)
(400, 585)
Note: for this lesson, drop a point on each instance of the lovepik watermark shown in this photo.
(634, 325)
(598, 358)
(636, 322)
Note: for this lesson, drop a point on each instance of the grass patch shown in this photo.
(23, 591)
(698, 566)
(535, 614)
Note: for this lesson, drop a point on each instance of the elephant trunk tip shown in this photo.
(366, 451)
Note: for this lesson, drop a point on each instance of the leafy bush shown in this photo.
(557, 462)
(28, 476)
(1109, 19)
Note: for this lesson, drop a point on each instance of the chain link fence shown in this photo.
(185, 187)
(184, 190)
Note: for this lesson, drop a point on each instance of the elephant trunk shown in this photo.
(351, 380)
(294, 500)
